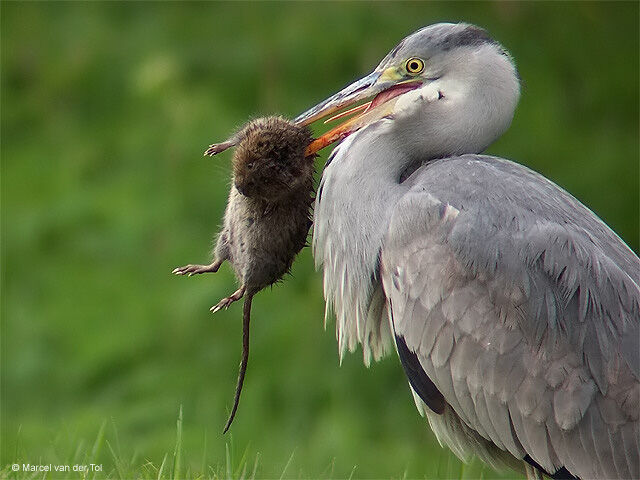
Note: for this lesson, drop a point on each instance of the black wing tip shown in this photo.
(418, 378)
(560, 474)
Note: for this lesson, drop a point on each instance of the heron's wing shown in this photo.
(519, 307)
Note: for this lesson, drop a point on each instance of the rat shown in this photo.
(268, 214)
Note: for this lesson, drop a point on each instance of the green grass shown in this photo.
(119, 465)
(129, 465)
(105, 110)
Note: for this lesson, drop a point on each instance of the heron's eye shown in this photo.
(414, 66)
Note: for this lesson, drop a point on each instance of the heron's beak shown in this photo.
(358, 90)
(379, 86)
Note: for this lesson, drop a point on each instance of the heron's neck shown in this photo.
(464, 112)
(358, 191)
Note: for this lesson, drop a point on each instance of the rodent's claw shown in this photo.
(217, 308)
(196, 269)
(225, 302)
(216, 148)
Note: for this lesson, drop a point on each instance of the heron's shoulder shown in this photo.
(494, 185)
(469, 169)
(491, 193)
(504, 195)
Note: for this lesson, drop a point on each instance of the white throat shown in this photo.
(348, 231)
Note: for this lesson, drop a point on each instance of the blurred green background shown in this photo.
(106, 109)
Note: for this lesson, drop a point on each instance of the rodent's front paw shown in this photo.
(195, 269)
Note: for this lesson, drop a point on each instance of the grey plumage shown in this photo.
(513, 299)
(551, 375)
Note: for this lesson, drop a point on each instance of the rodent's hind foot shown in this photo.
(196, 269)
(225, 302)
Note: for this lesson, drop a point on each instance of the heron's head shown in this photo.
(448, 88)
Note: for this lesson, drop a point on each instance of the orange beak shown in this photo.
(371, 86)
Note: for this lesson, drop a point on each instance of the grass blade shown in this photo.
(161, 469)
(116, 462)
(255, 467)
(353, 470)
(203, 465)
(177, 454)
(97, 446)
(228, 461)
(287, 464)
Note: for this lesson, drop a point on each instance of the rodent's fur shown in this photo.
(268, 215)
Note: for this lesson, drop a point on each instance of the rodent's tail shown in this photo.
(246, 318)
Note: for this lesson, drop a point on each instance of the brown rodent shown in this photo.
(267, 217)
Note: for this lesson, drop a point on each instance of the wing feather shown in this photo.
(518, 426)
(499, 417)
(442, 349)
(599, 437)
(435, 322)
(463, 360)
(631, 447)
(520, 312)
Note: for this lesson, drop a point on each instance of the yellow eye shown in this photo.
(414, 66)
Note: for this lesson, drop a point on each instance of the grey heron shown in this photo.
(513, 308)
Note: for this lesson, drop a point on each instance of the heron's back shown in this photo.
(522, 307)
(508, 191)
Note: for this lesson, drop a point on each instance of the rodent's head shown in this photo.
(269, 162)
